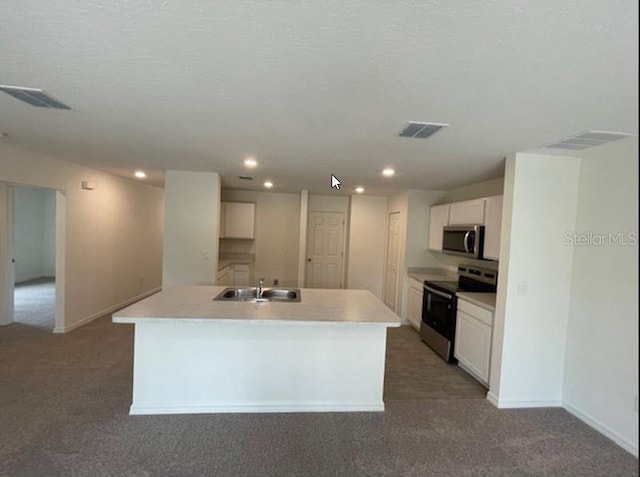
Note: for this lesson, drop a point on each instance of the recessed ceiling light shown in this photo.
(359, 189)
(388, 172)
(268, 184)
(140, 174)
(250, 162)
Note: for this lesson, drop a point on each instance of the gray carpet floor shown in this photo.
(35, 303)
(63, 412)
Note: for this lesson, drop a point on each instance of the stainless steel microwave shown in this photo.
(463, 240)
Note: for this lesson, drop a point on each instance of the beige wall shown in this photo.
(34, 221)
(532, 308)
(367, 238)
(601, 368)
(113, 233)
(277, 231)
(474, 191)
(191, 228)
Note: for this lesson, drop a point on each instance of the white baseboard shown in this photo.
(517, 404)
(111, 309)
(288, 407)
(493, 399)
(623, 442)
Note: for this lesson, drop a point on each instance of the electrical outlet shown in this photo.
(275, 282)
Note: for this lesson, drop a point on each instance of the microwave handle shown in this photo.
(466, 241)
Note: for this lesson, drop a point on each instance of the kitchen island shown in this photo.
(195, 355)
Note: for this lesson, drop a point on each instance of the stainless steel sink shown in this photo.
(268, 294)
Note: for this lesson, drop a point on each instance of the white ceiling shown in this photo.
(314, 88)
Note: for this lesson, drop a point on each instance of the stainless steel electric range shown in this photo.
(439, 303)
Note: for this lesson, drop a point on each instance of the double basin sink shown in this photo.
(251, 294)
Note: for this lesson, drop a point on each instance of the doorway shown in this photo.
(325, 249)
(31, 255)
(391, 265)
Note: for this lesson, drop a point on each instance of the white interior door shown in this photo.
(325, 249)
(393, 249)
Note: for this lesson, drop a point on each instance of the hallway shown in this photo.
(35, 303)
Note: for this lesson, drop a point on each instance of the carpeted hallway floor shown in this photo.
(64, 403)
(35, 303)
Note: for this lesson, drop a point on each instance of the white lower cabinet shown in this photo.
(241, 274)
(225, 276)
(415, 303)
(473, 340)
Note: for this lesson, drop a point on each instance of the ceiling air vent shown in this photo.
(587, 139)
(33, 96)
(421, 130)
(245, 178)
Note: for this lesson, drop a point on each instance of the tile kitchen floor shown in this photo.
(414, 371)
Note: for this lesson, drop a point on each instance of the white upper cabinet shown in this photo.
(492, 227)
(438, 220)
(486, 211)
(237, 220)
(467, 212)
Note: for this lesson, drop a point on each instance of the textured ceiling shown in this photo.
(314, 88)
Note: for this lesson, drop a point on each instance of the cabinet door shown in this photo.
(473, 345)
(225, 277)
(492, 227)
(467, 212)
(239, 220)
(241, 275)
(438, 220)
(415, 303)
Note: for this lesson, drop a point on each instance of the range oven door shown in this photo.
(438, 327)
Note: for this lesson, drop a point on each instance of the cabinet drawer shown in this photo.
(476, 311)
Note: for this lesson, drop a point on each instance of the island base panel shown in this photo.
(213, 367)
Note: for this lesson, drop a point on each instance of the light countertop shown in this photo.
(435, 274)
(317, 306)
(484, 300)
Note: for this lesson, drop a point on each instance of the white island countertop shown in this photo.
(195, 303)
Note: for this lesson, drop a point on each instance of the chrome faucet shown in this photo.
(259, 288)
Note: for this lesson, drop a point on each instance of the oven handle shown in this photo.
(466, 241)
(438, 292)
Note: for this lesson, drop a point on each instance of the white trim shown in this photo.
(493, 399)
(622, 441)
(517, 404)
(143, 409)
(110, 309)
(302, 240)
